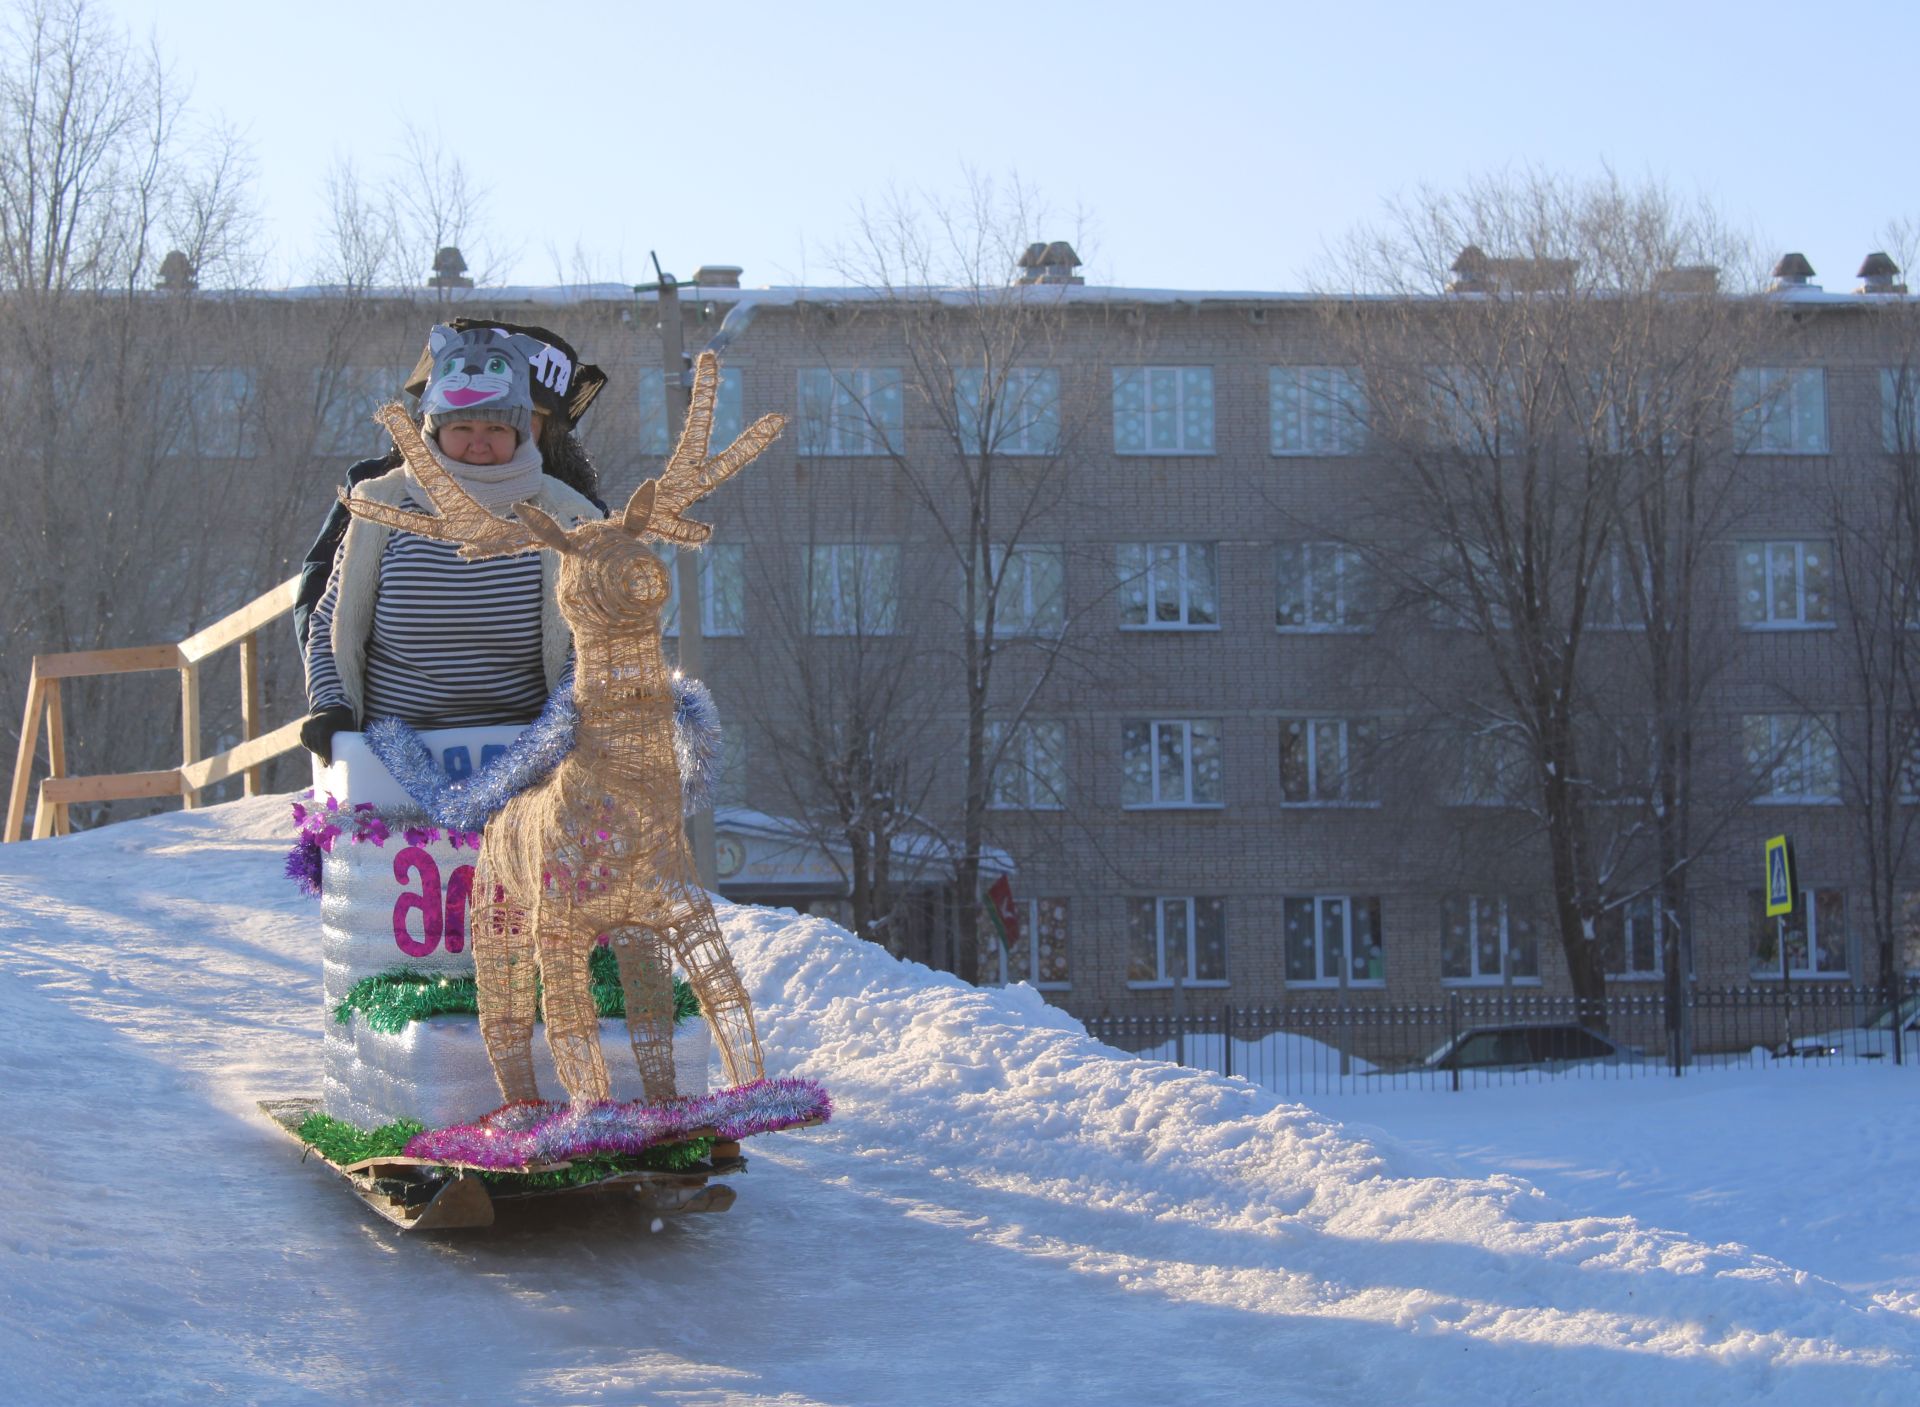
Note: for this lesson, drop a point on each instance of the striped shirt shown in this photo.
(453, 643)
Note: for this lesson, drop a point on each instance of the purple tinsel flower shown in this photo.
(421, 835)
(303, 865)
(531, 1133)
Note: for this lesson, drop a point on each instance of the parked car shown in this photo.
(1548, 1046)
(1871, 1041)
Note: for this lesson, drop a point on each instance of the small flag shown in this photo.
(1005, 917)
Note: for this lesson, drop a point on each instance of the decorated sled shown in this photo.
(477, 884)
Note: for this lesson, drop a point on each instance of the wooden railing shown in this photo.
(58, 791)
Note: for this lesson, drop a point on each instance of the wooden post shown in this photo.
(254, 778)
(57, 753)
(23, 756)
(189, 730)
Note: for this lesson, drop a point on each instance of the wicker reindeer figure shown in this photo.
(597, 846)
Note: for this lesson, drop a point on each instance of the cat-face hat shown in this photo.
(561, 384)
(482, 373)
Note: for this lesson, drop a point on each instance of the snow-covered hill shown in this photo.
(1000, 1208)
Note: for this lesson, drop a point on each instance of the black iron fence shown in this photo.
(1476, 1038)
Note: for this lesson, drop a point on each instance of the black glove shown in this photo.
(316, 734)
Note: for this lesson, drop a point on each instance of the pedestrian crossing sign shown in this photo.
(1779, 877)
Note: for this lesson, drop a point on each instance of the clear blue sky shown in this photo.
(1211, 145)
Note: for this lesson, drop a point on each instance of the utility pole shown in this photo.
(677, 386)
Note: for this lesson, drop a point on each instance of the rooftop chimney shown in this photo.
(177, 274)
(717, 276)
(1792, 271)
(449, 270)
(1688, 278)
(1470, 272)
(1049, 263)
(1879, 274)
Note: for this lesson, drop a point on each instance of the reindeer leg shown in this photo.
(504, 969)
(646, 979)
(573, 1022)
(695, 938)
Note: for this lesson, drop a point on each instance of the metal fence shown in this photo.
(1477, 1038)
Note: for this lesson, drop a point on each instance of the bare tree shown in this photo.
(1547, 385)
(982, 352)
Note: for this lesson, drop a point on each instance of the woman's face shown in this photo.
(478, 442)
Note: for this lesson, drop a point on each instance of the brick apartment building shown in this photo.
(1184, 791)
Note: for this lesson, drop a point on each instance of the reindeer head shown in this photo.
(606, 572)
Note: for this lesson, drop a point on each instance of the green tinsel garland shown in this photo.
(392, 999)
(341, 1144)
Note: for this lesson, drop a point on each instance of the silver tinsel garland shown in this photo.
(467, 804)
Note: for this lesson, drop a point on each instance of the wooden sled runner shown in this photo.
(418, 1194)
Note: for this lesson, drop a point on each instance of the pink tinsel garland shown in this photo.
(531, 1132)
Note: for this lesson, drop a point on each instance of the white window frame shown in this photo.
(1322, 980)
(1612, 601)
(1770, 573)
(1479, 907)
(876, 565)
(1124, 377)
(347, 397)
(1026, 413)
(650, 400)
(1645, 912)
(1164, 978)
(1900, 409)
(1035, 754)
(1794, 744)
(1161, 800)
(1491, 753)
(1765, 398)
(1146, 562)
(215, 398)
(1342, 570)
(722, 564)
(1043, 614)
(856, 402)
(1328, 409)
(1807, 914)
(1029, 913)
(1350, 735)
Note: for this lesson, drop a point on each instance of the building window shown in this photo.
(855, 411)
(217, 402)
(727, 412)
(1032, 599)
(1321, 586)
(723, 589)
(1029, 765)
(1900, 410)
(347, 397)
(1487, 941)
(1169, 586)
(1333, 940)
(1816, 934)
(1622, 583)
(1785, 585)
(1474, 411)
(731, 787)
(1163, 410)
(1170, 762)
(1495, 769)
(1780, 410)
(1316, 410)
(1181, 937)
(1040, 953)
(853, 589)
(1633, 939)
(1793, 756)
(1021, 417)
(1322, 761)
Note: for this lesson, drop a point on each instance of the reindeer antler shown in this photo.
(480, 532)
(691, 474)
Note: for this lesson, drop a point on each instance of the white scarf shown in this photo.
(493, 486)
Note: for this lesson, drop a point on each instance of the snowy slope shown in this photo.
(1000, 1207)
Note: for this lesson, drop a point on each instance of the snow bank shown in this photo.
(1001, 1207)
